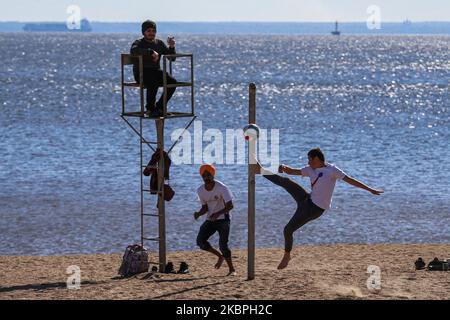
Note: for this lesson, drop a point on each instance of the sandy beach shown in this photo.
(315, 272)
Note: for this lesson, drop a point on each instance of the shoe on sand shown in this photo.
(184, 268)
(169, 268)
(420, 264)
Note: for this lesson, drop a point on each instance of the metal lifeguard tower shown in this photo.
(129, 116)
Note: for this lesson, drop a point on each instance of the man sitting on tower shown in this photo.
(151, 49)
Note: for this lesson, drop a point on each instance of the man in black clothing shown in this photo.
(151, 49)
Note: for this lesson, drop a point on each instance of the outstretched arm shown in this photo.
(361, 185)
(290, 171)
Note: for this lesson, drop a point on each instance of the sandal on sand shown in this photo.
(169, 268)
(184, 268)
(420, 264)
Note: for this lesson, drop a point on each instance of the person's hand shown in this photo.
(196, 215)
(171, 42)
(284, 169)
(155, 56)
(376, 192)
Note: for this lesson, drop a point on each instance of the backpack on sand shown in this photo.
(134, 261)
(438, 265)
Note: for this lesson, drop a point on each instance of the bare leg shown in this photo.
(305, 211)
(219, 262)
(207, 230)
(285, 260)
(218, 255)
(295, 190)
(231, 269)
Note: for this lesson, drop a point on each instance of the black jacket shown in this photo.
(168, 191)
(146, 48)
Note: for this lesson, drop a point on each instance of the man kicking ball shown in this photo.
(310, 206)
(216, 200)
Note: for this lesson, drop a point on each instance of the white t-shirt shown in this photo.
(215, 199)
(322, 191)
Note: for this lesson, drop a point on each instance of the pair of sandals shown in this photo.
(434, 265)
(184, 268)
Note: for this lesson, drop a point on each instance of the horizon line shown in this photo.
(228, 21)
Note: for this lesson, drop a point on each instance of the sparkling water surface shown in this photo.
(377, 105)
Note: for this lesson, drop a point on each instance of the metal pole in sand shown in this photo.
(251, 185)
(161, 204)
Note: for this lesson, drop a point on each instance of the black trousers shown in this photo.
(153, 79)
(208, 228)
(306, 209)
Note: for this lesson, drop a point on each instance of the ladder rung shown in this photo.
(151, 191)
(131, 84)
(150, 239)
(150, 215)
(179, 84)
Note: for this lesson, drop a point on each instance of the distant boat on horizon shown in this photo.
(336, 32)
(407, 22)
(85, 26)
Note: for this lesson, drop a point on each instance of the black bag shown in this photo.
(168, 192)
(437, 265)
(134, 261)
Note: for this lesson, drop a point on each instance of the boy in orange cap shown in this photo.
(216, 200)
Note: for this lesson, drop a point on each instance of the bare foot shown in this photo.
(219, 262)
(285, 261)
(258, 169)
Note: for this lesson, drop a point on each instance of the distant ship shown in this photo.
(85, 26)
(407, 22)
(336, 32)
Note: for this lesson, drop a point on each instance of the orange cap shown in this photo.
(208, 167)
